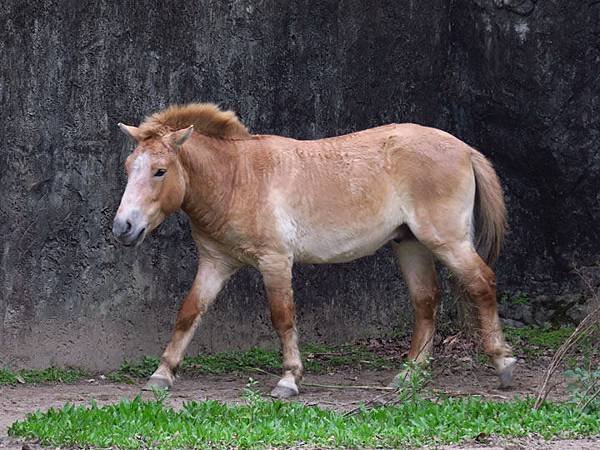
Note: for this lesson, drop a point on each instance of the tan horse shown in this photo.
(270, 201)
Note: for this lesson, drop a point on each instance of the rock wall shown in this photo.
(526, 91)
(516, 79)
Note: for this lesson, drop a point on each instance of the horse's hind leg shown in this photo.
(418, 268)
(277, 276)
(480, 283)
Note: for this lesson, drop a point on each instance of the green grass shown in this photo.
(316, 358)
(34, 376)
(260, 424)
(535, 340)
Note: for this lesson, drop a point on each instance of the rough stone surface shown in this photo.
(526, 91)
(516, 79)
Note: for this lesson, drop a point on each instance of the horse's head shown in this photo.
(156, 184)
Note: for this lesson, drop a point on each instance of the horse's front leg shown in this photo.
(277, 276)
(211, 276)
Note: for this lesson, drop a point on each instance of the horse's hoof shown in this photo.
(285, 389)
(505, 372)
(157, 382)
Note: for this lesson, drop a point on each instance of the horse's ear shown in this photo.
(180, 136)
(132, 132)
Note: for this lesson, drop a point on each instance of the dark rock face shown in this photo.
(526, 91)
(516, 79)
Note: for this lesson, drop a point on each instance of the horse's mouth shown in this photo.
(136, 240)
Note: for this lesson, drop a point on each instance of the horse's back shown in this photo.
(341, 198)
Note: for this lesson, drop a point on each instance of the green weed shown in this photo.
(317, 359)
(584, 387)
(260, 424)
(412, 379)
(34, 376)
(535, 340)
(130, 371)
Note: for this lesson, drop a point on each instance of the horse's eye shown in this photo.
(160, 172)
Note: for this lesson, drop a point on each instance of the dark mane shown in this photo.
(207, 119)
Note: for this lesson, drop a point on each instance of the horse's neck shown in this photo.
(210, 165)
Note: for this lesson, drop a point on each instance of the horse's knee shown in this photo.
(425, 302)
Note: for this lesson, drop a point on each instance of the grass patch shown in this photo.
(322, 359)
(535, 340)
(34, 376)
(317, 359)
(260, 423)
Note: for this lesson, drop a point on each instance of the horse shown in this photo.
(269, 201)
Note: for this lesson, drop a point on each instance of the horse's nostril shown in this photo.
(127, 226)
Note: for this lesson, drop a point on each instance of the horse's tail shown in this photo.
(490, 210)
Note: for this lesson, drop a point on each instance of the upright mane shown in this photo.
(207, 118)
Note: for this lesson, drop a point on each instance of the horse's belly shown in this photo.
(317, 244)
(330, 247)
(342, 228)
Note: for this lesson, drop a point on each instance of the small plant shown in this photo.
(412, 379)
(251, 393)
(160, 394)
(587, 330)
(130, 371)
(583, 372)
(521, 299)
(254, 400)
(584, 386)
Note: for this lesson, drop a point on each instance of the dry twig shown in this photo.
(350, 386)
(585, 328)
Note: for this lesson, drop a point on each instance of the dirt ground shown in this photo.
(454, 375)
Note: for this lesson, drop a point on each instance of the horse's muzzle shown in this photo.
(126, 233)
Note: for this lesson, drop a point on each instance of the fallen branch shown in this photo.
(256, 369)
(332, 386)
(591, 399)
(469, 394)
(584, 329)
(370, 402)
(586, 393)
(350, 386)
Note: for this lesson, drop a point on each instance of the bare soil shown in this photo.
(457, 371)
